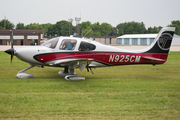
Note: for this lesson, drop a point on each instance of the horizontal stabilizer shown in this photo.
(153, 59)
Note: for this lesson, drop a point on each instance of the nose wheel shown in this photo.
(21, 73)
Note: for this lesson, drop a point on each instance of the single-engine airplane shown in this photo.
(73, 52)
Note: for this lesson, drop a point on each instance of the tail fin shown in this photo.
(162, 42)
(157, 53)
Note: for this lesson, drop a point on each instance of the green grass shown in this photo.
(122, 92)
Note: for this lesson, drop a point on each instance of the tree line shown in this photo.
(61, 28)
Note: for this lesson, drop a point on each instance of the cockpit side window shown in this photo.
(51, 43)
(68, 44)
(85, 46)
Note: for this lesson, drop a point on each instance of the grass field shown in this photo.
(122, 92)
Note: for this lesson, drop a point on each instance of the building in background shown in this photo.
(109, 40)
(21, 36)
(176, 40)
(142, 39)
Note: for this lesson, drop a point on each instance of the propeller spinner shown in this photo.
(11, 52)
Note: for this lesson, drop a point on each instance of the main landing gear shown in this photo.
(70, 74)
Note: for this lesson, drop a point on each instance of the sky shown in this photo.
(150, 12)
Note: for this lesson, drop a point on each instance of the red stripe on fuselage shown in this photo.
(57, 56)
(109, 58)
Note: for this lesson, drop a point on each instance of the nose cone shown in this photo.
(10, 51)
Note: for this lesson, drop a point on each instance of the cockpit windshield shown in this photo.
(51, 43)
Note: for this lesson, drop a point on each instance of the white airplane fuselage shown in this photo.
(73, 52)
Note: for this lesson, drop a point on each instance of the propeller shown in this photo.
(11, 51)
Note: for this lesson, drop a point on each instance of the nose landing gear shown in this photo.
(21, 73)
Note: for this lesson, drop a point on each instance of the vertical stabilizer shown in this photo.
(162, 42)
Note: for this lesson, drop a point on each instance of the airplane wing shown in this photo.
(75, 63)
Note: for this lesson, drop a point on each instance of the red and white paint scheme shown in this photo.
(73, 52)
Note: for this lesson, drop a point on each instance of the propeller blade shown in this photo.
(11, 51)
(12, 54)
(12, 44)
(12, 41)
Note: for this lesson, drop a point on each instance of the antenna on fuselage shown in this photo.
(87, 33)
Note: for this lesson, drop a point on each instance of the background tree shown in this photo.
(149, 30)
(33, 26)
(61, 28)
(96, 29)
(45, 28)
(112, 32)
(87, 31)
(152, 30)
(176, 24)
(131, 28)
(51, 31)
(105, 29)
(97, 34)
(85, 24)
(20, 26)
(83, 27)
(8, 24)
(159, 28)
